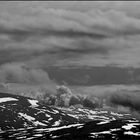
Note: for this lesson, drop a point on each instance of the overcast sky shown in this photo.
(70, 33)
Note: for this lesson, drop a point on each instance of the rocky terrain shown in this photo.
(25, 118)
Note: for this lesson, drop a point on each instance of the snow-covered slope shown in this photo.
(25, 119)
(86, 114)
(117, 129)
(18, 112)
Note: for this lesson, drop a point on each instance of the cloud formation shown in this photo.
(126, 101)
(40, 34)
(19, 73)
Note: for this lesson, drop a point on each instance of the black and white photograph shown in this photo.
(69, 70)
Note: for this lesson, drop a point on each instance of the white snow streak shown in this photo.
(6, 99)
(129, 126)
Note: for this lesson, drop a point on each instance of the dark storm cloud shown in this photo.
(77, 52)
(23, 34)
(18, 55)
(93, 50)
(107, 33)
(127, 99)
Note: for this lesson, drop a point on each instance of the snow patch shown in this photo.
(131, 133)
(6, 99)
(116, 114)
(38, 135)
(33, 103)
(53, 137)
(29, 118)
(103, 132)
(47, 115)
(115, 129)
(55, 111)
(74, 116)
(130, 126)
(80, 127)
(31, 138)
(63, 127)
(93, 112)
(103, 122)
(36, 123)
(45, 121)
(50, 119)
(133, 121)
(57, 123)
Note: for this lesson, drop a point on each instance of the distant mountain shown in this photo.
(24, 118)
(94, 75)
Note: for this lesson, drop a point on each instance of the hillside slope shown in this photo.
(18, 112)
(25, 118)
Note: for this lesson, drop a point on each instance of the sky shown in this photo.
(37, 34)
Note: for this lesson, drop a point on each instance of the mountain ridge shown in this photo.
(25, 118)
